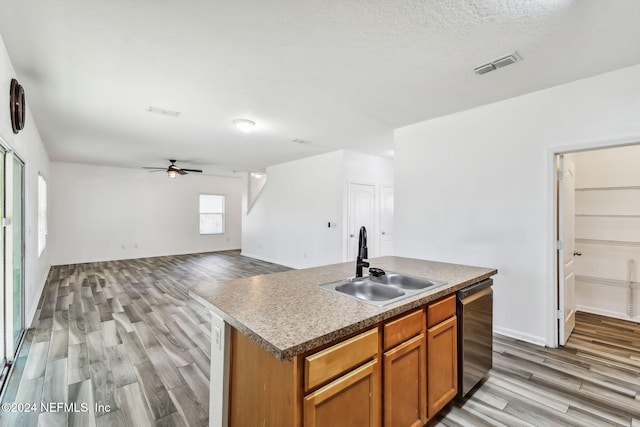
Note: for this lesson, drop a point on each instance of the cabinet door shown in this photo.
(351, 400)
(442, 364)
(405, 384)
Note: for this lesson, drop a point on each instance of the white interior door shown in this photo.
(361, 212)
(566, 253)
(386, 221)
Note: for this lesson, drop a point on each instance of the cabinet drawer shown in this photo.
(334, 361)
(400, 330)
(441, 310)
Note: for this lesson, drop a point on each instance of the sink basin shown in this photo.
(382, 290)
(406, 282)
(367, 290)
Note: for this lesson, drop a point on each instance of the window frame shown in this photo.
(223, 214)
(43, 211)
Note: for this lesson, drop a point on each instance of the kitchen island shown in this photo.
(279, 342)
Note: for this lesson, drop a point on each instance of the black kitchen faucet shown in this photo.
(362, 252)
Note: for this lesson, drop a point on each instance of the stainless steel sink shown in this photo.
(367, 290)
(406, 282)
(382, 290)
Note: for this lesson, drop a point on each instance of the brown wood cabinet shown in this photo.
(264, 391)
(405, 384)
(442, 363)
(405, 371)
(351, 400)
(400, 373)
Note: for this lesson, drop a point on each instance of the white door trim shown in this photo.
(552, 203)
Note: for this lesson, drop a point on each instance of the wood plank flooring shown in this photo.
(125, 334)
(593, 381)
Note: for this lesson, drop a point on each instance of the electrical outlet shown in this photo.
(217, 337)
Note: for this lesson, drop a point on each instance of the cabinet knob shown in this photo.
(576, 253)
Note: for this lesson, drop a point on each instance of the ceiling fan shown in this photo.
(173, 171)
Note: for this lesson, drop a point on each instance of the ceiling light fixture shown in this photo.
(173, 174)
(244, 125)
(256, 175)
(503, 61)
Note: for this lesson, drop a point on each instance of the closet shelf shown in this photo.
(607, 242)
(628, 187)
(609, 282)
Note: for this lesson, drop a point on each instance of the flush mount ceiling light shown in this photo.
(503, 61)
(244, 125)
(256, 175)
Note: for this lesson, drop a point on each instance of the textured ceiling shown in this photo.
(342, 74)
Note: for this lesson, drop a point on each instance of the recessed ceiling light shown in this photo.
(301, 141)
(256, 175)
(163, 112)
(244, 125)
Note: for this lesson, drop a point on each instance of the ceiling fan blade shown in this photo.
(157, 170)
(192, 170)
(151, 167)
(182, 172)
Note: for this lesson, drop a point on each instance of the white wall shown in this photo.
(476, 187)
(29, 147)
(288, 223)
(104, 213)
(603, 272)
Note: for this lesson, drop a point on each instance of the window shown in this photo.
(211, 214)
(42, 214)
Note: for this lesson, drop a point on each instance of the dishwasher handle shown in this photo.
(476, 296)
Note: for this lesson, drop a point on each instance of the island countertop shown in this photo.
(287, 314)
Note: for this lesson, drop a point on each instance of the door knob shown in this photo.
(576, 253)
(383, 233)
(352, 235)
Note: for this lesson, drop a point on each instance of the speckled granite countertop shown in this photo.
(287, 314)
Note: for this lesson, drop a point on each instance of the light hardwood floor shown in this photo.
(593, 381)
(125, 334)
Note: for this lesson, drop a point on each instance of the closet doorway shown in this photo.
(606, 241)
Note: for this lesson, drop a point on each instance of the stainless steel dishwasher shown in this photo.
(475, 334)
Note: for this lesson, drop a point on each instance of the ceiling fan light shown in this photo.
(244, 125)
(172, 174)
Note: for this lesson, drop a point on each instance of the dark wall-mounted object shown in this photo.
(17, 106)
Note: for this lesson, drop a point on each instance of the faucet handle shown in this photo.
(376, 272)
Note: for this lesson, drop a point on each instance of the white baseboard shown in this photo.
(30, 315)
(273, 261)
(608, 313)
(533, 339)
(139, 256)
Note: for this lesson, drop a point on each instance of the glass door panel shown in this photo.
(17, 218)
(3, 323)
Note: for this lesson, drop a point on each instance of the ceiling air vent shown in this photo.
(503, 61)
